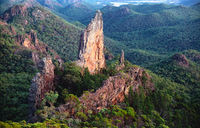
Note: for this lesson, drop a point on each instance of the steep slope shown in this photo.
(20, 60)
(61, 36)
(183, 68)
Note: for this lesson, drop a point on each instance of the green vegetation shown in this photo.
(51, 29)
(188, 76)
(77, 80)
(149, 34)
(76, 11)
(16, 73)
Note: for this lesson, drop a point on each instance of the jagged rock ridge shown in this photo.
(113, 91)
(91, 53)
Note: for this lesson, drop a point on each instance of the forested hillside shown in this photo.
(150, 78)
(50, 29)
(16, 72)
(160, 29)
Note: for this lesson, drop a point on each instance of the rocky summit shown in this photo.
(91, 48)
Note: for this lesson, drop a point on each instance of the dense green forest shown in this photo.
(162, 38)
(161, 108)
(16, 73)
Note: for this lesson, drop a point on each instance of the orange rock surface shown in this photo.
(91, 53)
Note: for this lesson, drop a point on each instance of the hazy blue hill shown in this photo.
(76, 11)
(52, 4)
(149, 8)
(196, 6)
(146, 16)
(189, 2)
(159, 29)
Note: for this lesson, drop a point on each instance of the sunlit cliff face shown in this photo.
(92, 45)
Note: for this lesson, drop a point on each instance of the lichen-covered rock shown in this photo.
(91, 54)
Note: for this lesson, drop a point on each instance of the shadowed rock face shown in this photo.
(91, 53)
(42, 83)
(113, 91)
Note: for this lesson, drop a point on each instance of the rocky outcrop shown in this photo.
(40, 52)
(122, 59)
(15, 10)
(114, 90)
(91, 53)
(121, 62)
(42, 83)
(181, 60)
(123, 11)
(108, 54)
(31, 42)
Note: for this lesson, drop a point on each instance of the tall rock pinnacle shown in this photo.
(91, 53)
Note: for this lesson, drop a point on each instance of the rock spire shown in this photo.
(122, 59)
(91, 48)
